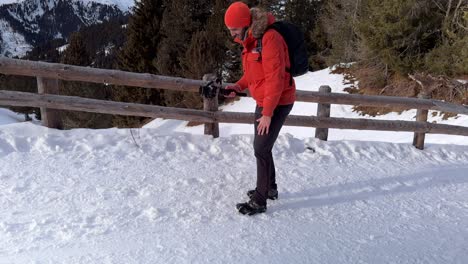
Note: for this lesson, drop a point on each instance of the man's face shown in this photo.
(237, 33)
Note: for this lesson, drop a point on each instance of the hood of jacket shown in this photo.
(260, 21)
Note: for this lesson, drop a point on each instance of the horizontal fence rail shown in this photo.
(146, 80)
(100, 106)
(95, 75)
(381, 101)
(153, 111)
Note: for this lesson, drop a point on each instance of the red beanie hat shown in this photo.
(237, 15)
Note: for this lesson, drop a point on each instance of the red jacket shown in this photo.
(267, 80)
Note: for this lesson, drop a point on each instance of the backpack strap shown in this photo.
(259, 50)
(260, 45)
(288, 70)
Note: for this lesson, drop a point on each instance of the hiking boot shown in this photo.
(250, 208)
(272, 194)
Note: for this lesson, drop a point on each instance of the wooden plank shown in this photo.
(450, 108)
(50, 117)
(323, 110)
(211, 105)
(348, 123)
(380, 101)
(421, 116)
(95, 75)
(103, 107)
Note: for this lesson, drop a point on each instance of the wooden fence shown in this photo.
(49, 101)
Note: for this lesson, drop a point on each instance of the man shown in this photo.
(270, 84)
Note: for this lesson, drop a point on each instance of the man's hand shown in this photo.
(264, 125)
(234, 87)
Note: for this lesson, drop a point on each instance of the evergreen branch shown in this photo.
(455, 14)
(438, 5)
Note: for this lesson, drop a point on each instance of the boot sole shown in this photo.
(241, 210)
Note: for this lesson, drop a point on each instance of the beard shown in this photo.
(242, 35)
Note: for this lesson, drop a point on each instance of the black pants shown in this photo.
(263, 146)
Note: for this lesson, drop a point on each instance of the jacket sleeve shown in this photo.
(243, 82)
(274, 68)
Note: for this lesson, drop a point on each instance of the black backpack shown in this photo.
(294, 39)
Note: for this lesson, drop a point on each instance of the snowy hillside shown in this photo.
(12, 43)
(124, 5)
(29, 23)
(155, 195)
(5, 2)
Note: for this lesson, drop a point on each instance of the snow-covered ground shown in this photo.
(5, 2)
(94, 196)
(12, 43)
(124, 5)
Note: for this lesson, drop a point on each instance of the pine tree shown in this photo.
(181, 21)
(399, 32)
(207, 48)
(276, 7)
(47, 52)
(76, 54)
(139, 54)
(415, 35)
(143, 37)
(206, 52)
(337, 29)
(451, 56)
(104, 50)
(305, 15)
(401, 37)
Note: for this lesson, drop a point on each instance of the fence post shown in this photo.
(421, 116)
(211, 104)
(50, 117)
(323, 110)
